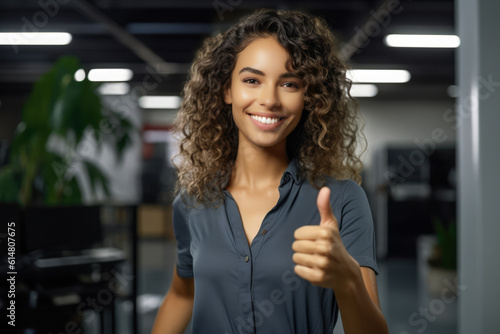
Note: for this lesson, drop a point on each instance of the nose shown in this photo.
(268, 97)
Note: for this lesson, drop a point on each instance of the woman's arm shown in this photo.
(359, 305)
(177, 307)
(355, 289)
(322, 259)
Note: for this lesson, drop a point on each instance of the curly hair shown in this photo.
(326, 138)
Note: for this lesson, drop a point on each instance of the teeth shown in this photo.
(265, 120)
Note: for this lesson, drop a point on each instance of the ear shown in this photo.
(228, 96)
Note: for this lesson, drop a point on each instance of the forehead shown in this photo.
(263, 53)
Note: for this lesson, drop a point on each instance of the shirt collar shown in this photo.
(291, 173)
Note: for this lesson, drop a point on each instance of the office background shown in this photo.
(430, 166)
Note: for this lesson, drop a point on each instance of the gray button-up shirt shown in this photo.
(254, 289)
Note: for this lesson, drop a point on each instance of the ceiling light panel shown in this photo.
(110, 74)
(35, 38)
(118, 88)
(363, 90)
(422, 41)
(379, 76)
(160, 102)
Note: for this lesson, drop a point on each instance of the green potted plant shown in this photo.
(443, 260)
(65, 113)
(41, 185)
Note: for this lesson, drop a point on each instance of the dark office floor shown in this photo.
(407, 306)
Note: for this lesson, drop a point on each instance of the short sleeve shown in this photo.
(356, 227)
(183, 238)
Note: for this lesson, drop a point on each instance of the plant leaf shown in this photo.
(96, 177)
(72, 192)
(9, 184)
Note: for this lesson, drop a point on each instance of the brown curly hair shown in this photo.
(325, 140)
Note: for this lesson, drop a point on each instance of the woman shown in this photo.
(273, 235)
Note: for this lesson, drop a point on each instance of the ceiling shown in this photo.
(173, 30)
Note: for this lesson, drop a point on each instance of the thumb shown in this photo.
(325, 209)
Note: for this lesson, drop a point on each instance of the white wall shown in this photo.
(411, 123)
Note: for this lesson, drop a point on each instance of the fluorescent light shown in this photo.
(160, 102)
(379, 76)
(35, 38)
(363, 90)
(119, 88)
(110, 74)
(422, 41)
(80, 75)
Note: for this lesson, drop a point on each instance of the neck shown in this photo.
(259, 168)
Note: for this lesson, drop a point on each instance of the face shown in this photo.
(267, 100)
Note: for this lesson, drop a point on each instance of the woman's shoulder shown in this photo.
(182, 201)
(346, 188)
(187, 202)
(341, 184)
(341, 190)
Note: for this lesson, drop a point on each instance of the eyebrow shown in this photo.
(259, 72)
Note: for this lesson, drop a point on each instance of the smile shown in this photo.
(266, 120)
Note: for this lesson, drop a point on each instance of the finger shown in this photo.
(304, 246)
(310, 260)
(312, 232)
(313, 275)
(325, 209)
(312, 247)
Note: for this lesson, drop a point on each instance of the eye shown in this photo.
(250, 81)
(291, 84)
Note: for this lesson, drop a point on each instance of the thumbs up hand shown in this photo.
(320, 255)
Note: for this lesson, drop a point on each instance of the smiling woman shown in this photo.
(326, 139)
(267, 100)
(271, 229)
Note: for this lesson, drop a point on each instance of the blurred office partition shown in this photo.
(413, 188)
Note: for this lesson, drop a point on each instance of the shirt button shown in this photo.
(264, 232)
(247, 258)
